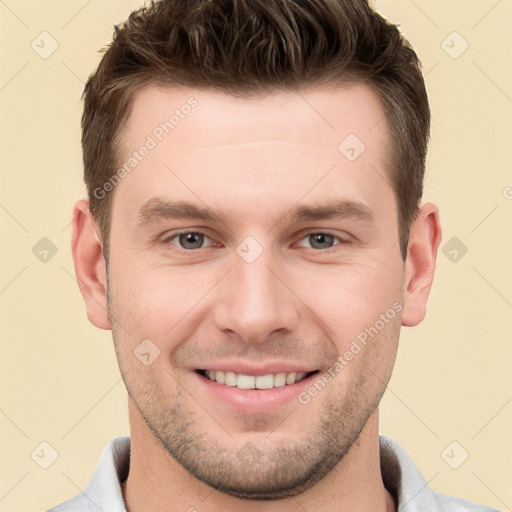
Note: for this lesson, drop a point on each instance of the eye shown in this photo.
(188, 240)
(193, 240)
(320, 240)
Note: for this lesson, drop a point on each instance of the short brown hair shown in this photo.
(246, 47)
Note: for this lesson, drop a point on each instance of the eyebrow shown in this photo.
(157, 209)
(337, 209)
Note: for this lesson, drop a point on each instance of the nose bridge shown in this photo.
(254, 302)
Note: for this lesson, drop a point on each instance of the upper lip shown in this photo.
(257, 369)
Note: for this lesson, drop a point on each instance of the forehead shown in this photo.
(231, 151)
(306, 115)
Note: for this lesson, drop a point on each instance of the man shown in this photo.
(254, 239)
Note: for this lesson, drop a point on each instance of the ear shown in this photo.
(424, 240)
(90, 265)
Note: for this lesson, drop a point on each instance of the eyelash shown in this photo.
(167, 240)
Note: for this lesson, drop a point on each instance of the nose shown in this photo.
(255, 301)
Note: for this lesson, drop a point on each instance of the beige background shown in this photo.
(59, 378)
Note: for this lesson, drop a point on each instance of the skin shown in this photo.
(254, 161)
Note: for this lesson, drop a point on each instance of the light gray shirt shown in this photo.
(399, 473)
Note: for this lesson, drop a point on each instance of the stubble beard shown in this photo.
(270, 469)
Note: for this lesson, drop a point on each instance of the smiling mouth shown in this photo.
(241, 381)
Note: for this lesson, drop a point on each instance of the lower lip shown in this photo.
(254, 401)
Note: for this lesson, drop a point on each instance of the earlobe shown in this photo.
(90, 266)
(424, 240)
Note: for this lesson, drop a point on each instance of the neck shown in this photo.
(157, 482)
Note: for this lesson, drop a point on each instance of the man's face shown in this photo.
(267, 284)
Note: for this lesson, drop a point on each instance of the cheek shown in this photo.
(350, 298)
(153, 301)
(367, 357)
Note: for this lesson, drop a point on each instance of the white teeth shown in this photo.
(229, 379)
(264, 381)
(290, 378)
(268, 381)
(245, 382)
(279, 380)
